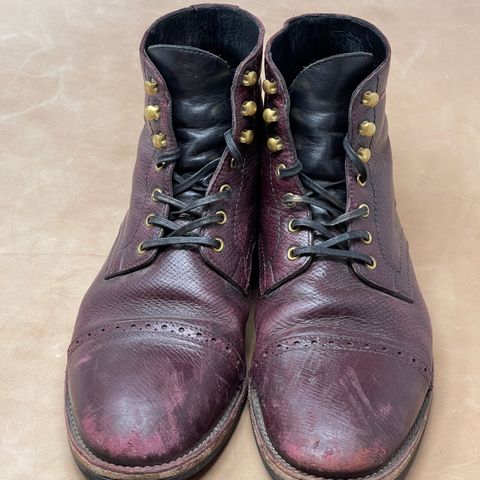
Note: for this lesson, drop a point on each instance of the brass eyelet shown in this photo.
(151, 87)
(246, 137)
(269, 87)
(364, 154)
(220, 247)
(147, 220)
(364, 205)
(152, 112)
(367, 129)
(291, 228)
(288, 204)
(140, 249)
(156, 190)
(249, 108)
(159, 140)
(274, 144)
(233, 164)
(369, 240)
(270, 115)
(280, 168)
(370, 99)
(160, 166)
(291, 255)
(361, 182)
(223, 215)
(225, 187)
(250, 79)
(373, 265)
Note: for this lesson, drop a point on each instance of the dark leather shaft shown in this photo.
(343, 358)
(320, 96)
(199, 84)
(157, 354)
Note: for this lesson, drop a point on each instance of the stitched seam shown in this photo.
(115, 329)
(385, 258)
(322, 342)
(126, 245)
(242, 259)
(134, 262)
(237, 201)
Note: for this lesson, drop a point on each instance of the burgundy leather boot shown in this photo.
(156, 368)
(342, 374)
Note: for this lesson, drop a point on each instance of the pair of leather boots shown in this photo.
(341, 380)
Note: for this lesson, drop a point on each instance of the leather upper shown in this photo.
(157, 354)
(343, 358)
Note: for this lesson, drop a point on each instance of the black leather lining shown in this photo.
(199, 83)
(320, 97)
(225, 32)
(308, 39)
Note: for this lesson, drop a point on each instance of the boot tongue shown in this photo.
(320, 97)
(199, 84)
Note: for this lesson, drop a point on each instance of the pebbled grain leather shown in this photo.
(343, 357)
(157, 354)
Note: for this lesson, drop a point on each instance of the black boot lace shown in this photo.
(331, 238)
(186, 217)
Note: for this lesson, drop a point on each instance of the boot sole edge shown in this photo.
(280, 469)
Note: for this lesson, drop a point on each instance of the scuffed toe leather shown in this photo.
(338, 413)
(151, 394)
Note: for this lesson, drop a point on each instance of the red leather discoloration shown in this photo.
(141, 399)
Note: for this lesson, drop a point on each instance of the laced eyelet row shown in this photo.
(221, 244)
(152, 113)
(221, 213)
(292, 257)
(367, 129)
(148, 223)
(290, 227)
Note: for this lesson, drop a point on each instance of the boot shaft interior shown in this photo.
(226, 32)
(306, 40)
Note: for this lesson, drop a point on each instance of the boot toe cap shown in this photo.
(341, 414)
(138, 401)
